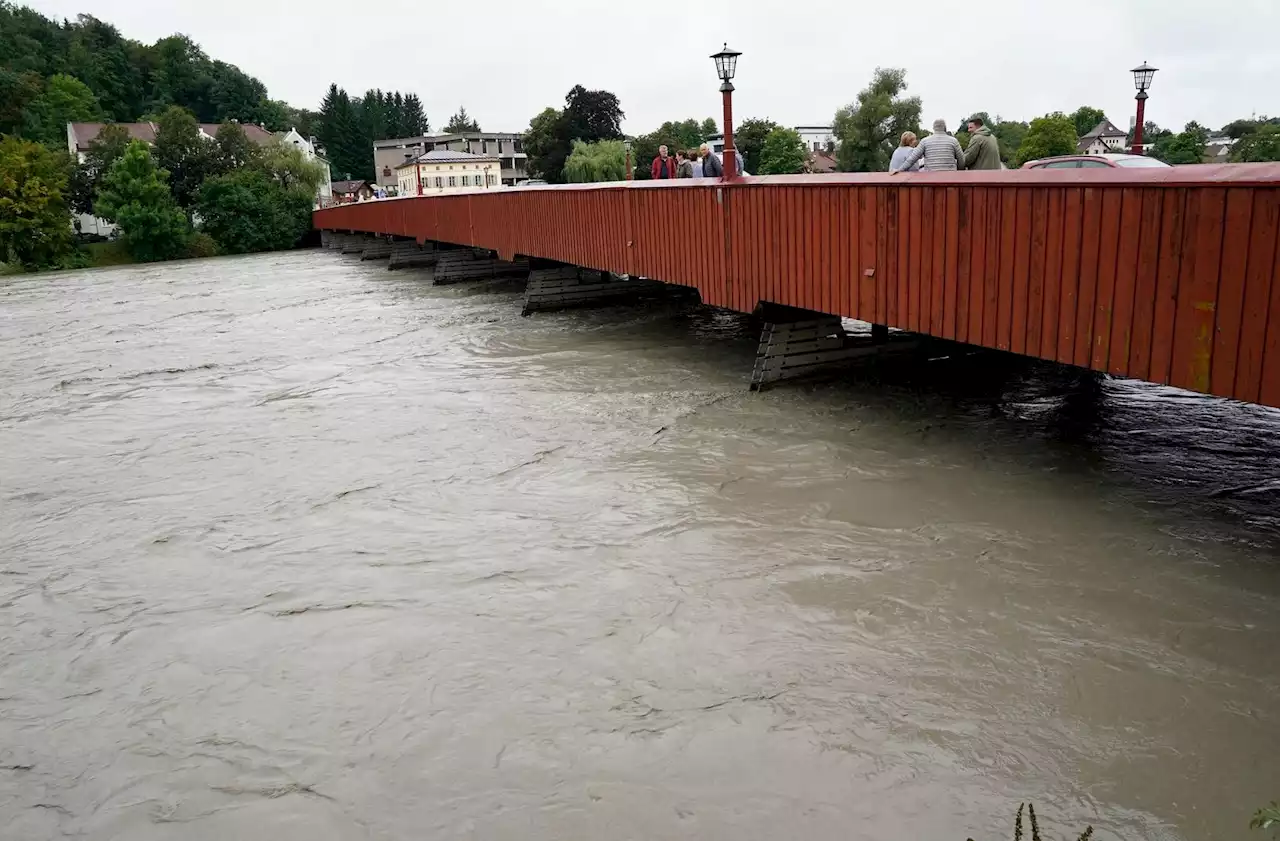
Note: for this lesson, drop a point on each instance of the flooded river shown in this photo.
(294, 548)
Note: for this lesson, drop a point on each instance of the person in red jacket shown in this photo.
(664, 166)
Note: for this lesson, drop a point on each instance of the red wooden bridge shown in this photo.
(1166, 275)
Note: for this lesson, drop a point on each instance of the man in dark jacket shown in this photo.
(664, 166)
(711, 166)
(984, 149)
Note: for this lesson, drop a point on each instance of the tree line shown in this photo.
(181, 196)
(85, 71)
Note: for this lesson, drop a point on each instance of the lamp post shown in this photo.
(626, 144)
(1141, 80)
(726, 65)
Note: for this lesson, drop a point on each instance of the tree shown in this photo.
(748, 139)
(1047, 136)
(1010, 135)
(65, 99)
(592, 115)
(285, 164)
(135, 196)
(461, 122)
(604, 160)
(104, 150)
(1086, 119)
(232, 148)
(339, 131)
(1257, 146)
(247, 211)
(35, 225)
(413, 120)
(709, 128)
(184, 154)
(783, 153)
(542, 145)
(1186, 147)
(17, 90)
(870, 127)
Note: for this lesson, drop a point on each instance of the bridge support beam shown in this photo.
(792, 347)
(355, 243)
(379, 248)
(563, 287)
(454, 266)
(407, 253)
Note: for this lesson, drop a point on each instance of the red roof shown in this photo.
(86, 133)
(821, 162)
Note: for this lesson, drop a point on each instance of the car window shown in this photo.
(1094, 165)
(1138, 160)
(1060, 165)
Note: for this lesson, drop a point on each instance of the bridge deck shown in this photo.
(1167, 275)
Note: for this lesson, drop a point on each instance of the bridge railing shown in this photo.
(1168, 275)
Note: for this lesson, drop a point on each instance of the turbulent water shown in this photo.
(292, 547)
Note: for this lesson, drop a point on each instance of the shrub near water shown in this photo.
(247, 211)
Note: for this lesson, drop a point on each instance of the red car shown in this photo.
(1107, 161)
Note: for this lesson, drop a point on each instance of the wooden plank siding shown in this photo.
(1168, 275)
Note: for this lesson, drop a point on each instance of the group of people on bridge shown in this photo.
(694, 163)
(941, 152)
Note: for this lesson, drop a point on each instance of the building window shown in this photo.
(492, 180)
(439, 182)
(453, 182)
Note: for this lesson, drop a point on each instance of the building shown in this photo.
(1104, 139)
(442, 171)
(817, 138)
(346, 192)
(507, 147)
(310, 151)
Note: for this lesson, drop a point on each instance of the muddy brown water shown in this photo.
(292, 547)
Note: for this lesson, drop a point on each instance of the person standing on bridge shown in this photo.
(692, 155)
(664, 166)
(711, 166)
(684, 167)
(939, 152)
(909, 141)
(984, 149)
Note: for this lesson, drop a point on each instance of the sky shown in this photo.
(507, 60)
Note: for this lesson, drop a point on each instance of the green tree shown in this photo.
(285, 164)
(1010, 134)
(542, 144)
(748, 139)
(339, 130)
(709, 128)
(136, 197)
(104, 150)
(675, 135)
(184, 154)
(1086, 119)
(604, 160)
(783, 153)
(1186, 147)
(1257, 146)
(35, 222)
(65, 99)
(248, 211)
(232, 149)
(461, 122)
(1047, 136)
(413, 120)
(17, 90)
(870, 127)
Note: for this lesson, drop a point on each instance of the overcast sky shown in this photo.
(507, 60)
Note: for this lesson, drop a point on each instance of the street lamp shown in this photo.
(1142, 76)
(626, 144)
(726, 66)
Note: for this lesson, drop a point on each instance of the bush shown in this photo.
(202, 245)
(135, 195)
(247, 211)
